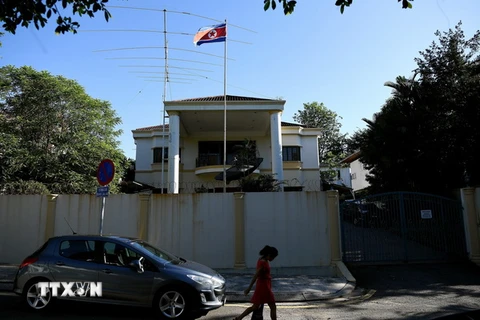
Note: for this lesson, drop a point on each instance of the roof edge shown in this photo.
(160, 127)
(220, 99)
(352, 157)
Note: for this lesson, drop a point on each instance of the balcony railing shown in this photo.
(208, 159)
(212, 159)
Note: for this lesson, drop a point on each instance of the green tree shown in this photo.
(14, 13)
(389, 145)
(289, 5)
(127, 176)
(246, 154)
(425, 136)
(354, 141)
(52, 132)
(331, 144)
(1, 35)
(24, 12)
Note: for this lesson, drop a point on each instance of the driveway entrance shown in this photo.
(402, 227)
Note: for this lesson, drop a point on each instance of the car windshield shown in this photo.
(157, 252)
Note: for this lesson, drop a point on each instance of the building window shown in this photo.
(291, 154)
(354, 176)
(157, 154)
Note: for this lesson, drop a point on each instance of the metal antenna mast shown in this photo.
(167, 79)
(164, 95)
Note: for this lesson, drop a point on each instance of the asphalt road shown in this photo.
(386, 292)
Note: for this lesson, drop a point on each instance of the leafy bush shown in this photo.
(261, 183)
(24, 187)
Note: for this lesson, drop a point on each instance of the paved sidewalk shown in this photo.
(287, 288)
(7, 275)
(291, 288)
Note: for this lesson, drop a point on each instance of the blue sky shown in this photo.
(316, 54)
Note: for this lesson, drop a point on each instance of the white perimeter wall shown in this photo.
(200, 227)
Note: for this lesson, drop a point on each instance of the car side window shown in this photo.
(78, 250)
(118, 255)
(113, 254)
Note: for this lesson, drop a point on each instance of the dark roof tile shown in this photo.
(152, 128)
(220, 99)
(291, 124)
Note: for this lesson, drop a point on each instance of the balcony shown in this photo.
(211, 163)
(211, 155)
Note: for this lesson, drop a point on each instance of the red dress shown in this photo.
(263, 288)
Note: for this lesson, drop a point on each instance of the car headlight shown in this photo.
(217, 282)
(201, 280)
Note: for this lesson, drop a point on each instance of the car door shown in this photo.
(122, 282)
(74, 261)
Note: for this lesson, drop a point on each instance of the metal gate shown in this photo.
(402, 227)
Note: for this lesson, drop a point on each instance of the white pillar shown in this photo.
(173, 152)
(276, 137)
(471, 224)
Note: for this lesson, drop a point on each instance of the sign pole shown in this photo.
(102, 215)
(105, 174)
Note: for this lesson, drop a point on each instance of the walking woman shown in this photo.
(263, 289)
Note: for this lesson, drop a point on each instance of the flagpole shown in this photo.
(225, 112)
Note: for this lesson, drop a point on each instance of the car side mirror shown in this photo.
(137, 265)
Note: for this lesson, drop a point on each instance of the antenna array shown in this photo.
(187, 75)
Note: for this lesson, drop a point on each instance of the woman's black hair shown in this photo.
(267, 250)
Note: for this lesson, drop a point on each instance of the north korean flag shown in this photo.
(216, 33)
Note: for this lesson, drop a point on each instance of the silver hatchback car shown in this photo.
(124, 271)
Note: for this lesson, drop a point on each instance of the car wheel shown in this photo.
(32, 296)
(172, 303)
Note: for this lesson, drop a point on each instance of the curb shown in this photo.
(343, 271)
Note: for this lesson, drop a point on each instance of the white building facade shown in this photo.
(193, 145)
(358, 173)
